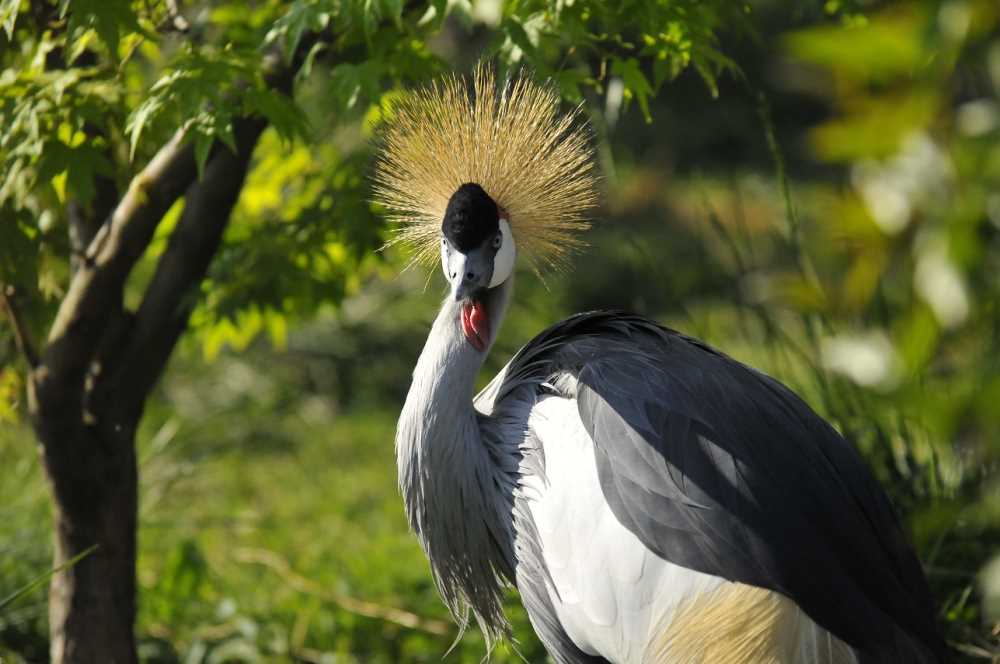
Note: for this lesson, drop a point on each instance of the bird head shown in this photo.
(477, 253)
(477, 248)
(465, 167)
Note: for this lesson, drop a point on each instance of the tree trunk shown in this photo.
(86, 409)
(87, 390)
(92, 603)
(86, 413)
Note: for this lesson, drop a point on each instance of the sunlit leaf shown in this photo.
(281, 112)
(302, 16)
(8, 16)
(875, 127)
(11, 388)
(636, 85)
(138, 121)
(885, 46)
(111, 19)
(202, 146)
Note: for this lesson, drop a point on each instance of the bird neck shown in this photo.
(451, 484)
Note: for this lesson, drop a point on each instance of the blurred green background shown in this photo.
(827, 210)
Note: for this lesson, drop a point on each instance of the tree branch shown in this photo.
(95, 293)
(170, 297)
(86, 220)
(96, 289)
(21, 336)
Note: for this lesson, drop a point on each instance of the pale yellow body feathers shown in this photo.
(534, 162)
(741, 624)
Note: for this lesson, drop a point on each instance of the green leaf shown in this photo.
(310, 59)
(519, 36)
(436, 13)
(281, 111)
(18, 250)
(86, 162)
(345, 85)
(665, 69)
(54, 160)
(11, 387)
(109, 18)
(301, 17)
(202, 148)
(202, 91)
(636, 85)
(8, 16)
(370, 15)
(138, 121)
(708, 76)
(393, 9)
(80, 44)
(889, 45)
(570, 82)
(224, 132)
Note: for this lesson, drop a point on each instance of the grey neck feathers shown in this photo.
(456, 497)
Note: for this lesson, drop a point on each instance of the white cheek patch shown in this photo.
(452, 263)
(503, 262)
(445, 255)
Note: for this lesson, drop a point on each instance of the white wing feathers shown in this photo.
(610, 590)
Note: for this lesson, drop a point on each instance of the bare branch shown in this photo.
(21, 336)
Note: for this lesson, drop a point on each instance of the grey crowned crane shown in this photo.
(652, 499)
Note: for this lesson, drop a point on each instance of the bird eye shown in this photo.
(497, 240)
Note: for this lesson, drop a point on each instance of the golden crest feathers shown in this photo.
(535, 163)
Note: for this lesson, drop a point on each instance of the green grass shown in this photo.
(280, 536)
(25, 545)
(271, 530)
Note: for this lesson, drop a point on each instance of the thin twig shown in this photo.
(21, 336)
(280, 566)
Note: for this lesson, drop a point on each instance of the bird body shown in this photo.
(652, 499)
(613, 596)
(519, 486)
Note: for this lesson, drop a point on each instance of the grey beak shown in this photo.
(465, 289)
(468, 273)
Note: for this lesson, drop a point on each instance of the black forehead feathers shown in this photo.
(470, 218)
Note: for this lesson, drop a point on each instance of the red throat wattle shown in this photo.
(476, 324)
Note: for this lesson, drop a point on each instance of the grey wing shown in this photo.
(721, 469)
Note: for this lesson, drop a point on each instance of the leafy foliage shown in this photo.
(95, 87)
(586, 41)
(917, 244)
(45, 114)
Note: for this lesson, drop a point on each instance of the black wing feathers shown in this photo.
(719, 468)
